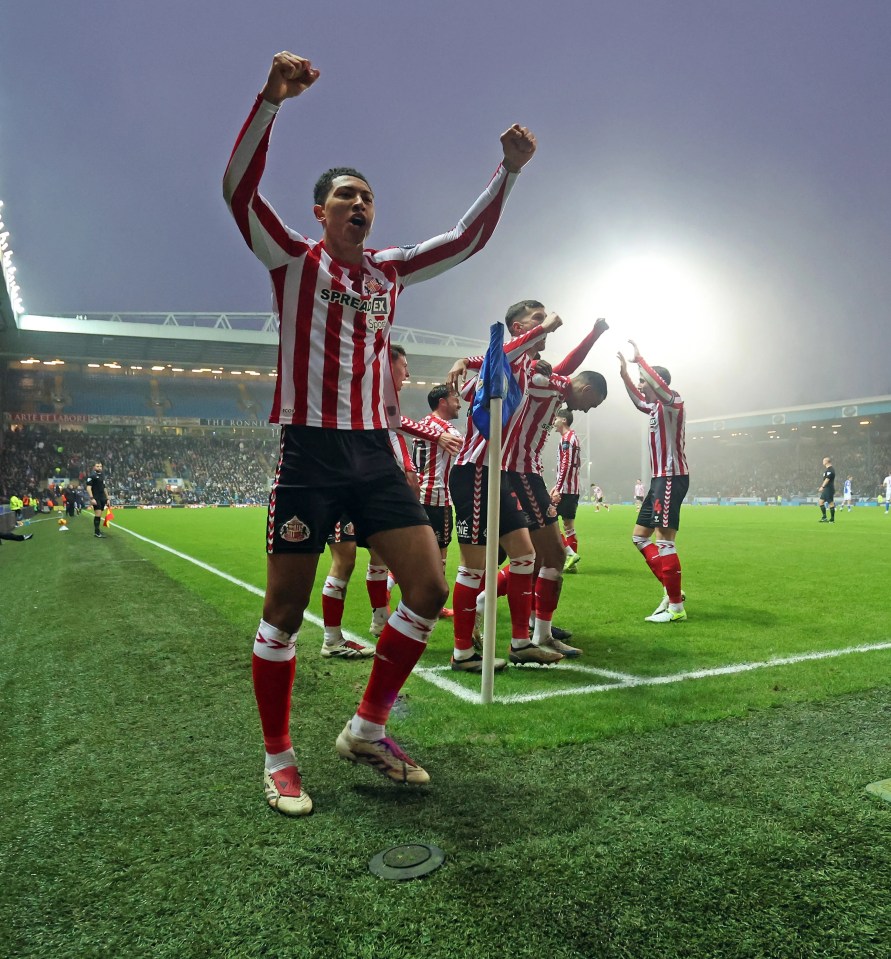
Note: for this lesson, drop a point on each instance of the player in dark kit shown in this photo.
(98, 498)
(827, 491)
(16, 537)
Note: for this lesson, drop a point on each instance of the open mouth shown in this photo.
(358, 220)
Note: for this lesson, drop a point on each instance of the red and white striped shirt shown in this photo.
(409, 427)
(519, 354)
(333, 364)
(569, 461)
(433, 464)
(544, 397)
(667, 415)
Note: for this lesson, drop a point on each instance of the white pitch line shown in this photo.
(693, 674)
(625, 680)
(232, 579)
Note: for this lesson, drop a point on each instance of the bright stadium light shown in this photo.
(157, 369)
(654, 296)
(12, 287)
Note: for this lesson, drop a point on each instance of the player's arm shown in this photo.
(574, 359)
(263, 231)
(470, 235)
(637, 398)
(562, 469)
(442, 438)
(663, 392)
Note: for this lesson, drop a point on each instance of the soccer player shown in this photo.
(98, 498)
(69, 494)
(584, 391)
(565, 491)
(468, 485)
(342, 542)
(335, 398)
(597, 495)
(434, 464)
(548, 388)
(847, 493)
(661, 510)
(16, 537)
(639, 492)
(886, 482)
(826, 492)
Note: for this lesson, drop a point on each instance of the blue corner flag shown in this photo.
(495, 381)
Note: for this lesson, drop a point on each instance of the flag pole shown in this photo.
(493, 508)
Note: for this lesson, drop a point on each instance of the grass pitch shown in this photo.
(714, 816)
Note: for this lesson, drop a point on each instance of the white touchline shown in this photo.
(623, 680)
(232, 579)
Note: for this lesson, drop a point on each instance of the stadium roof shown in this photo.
(216, 339)
(794, 415)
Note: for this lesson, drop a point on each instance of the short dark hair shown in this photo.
(663, 374)
(439, 392)
(325, 181)
(396, 351)
(565, 414)
(595, 380)
(518, 309)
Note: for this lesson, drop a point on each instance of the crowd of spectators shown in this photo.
(787, 469)
(238, 469)
(213, 468)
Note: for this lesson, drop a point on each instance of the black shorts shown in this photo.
(534, 498)
(344, 531)
(568, 505)
(441, 520)
(662, 507)
(469, 486)
(69, 509)
(827, 495)
(323, 473)
(100, 504)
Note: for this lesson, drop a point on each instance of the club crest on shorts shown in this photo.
(294, 531)
(349, 530)
(552, 510)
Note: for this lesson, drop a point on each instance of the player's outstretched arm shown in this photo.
(289, 76)
(519, 145)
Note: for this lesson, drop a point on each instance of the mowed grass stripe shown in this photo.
(605, 605)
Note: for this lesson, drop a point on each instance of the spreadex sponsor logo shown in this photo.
(374, 304)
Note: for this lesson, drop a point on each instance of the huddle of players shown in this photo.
(336, 400)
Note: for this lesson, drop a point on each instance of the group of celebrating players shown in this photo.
(346, 477)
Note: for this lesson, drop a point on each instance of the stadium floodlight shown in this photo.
(94, 365)
(12, 287)
(177, 369)
(157, 369)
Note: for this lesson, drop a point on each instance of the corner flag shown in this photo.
(496, 381)
(498, 391)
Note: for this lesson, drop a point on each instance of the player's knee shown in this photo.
(426, 596)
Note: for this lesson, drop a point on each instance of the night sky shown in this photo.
(712, 178)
